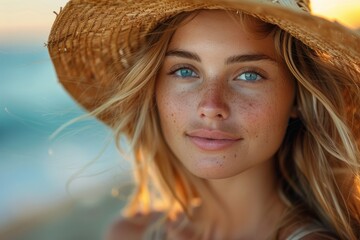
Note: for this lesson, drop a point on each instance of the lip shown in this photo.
(212, 140)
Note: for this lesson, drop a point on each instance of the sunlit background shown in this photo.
(40, 197)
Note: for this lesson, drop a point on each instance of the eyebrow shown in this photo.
(183, 54)
(249, 58)
(230, 60)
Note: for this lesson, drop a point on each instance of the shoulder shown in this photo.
(311, 232)
(319, 236)
(131, 228)
(125, 229)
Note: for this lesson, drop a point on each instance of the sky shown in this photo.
(24, 21)
(345, 11)
(27, 21)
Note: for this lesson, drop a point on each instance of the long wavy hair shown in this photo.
(317, 163)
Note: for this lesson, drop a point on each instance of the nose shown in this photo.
(213, 104)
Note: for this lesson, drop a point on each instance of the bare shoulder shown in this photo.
(131, 228)
(125, 229)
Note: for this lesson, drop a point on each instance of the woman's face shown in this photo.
(224, 97)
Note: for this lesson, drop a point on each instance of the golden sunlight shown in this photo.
(346, 12)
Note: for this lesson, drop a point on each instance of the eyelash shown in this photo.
(260, 76)
(179, 68)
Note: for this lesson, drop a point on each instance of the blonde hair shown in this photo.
(318, 162)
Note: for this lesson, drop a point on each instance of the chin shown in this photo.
(214, 169)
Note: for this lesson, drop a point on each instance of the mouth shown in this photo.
(212, 140)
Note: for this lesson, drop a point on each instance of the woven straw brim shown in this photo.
(93, 40)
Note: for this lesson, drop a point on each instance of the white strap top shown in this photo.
(306, 230)
(298, 234)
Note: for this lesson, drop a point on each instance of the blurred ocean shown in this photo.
(42, 177)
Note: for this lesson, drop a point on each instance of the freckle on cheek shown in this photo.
(172, 115)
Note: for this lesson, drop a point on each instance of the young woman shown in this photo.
(242, 115)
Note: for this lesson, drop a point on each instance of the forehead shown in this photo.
(217, 28)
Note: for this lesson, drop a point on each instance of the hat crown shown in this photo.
(296, 4)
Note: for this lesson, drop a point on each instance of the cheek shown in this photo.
(265, 122)
(172, 109)
(269, 123)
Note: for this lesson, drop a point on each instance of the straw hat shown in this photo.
(92, 41)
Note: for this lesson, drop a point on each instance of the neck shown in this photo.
(245, 203)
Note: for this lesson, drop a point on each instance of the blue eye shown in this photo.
(185, 72)
(249, 76)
